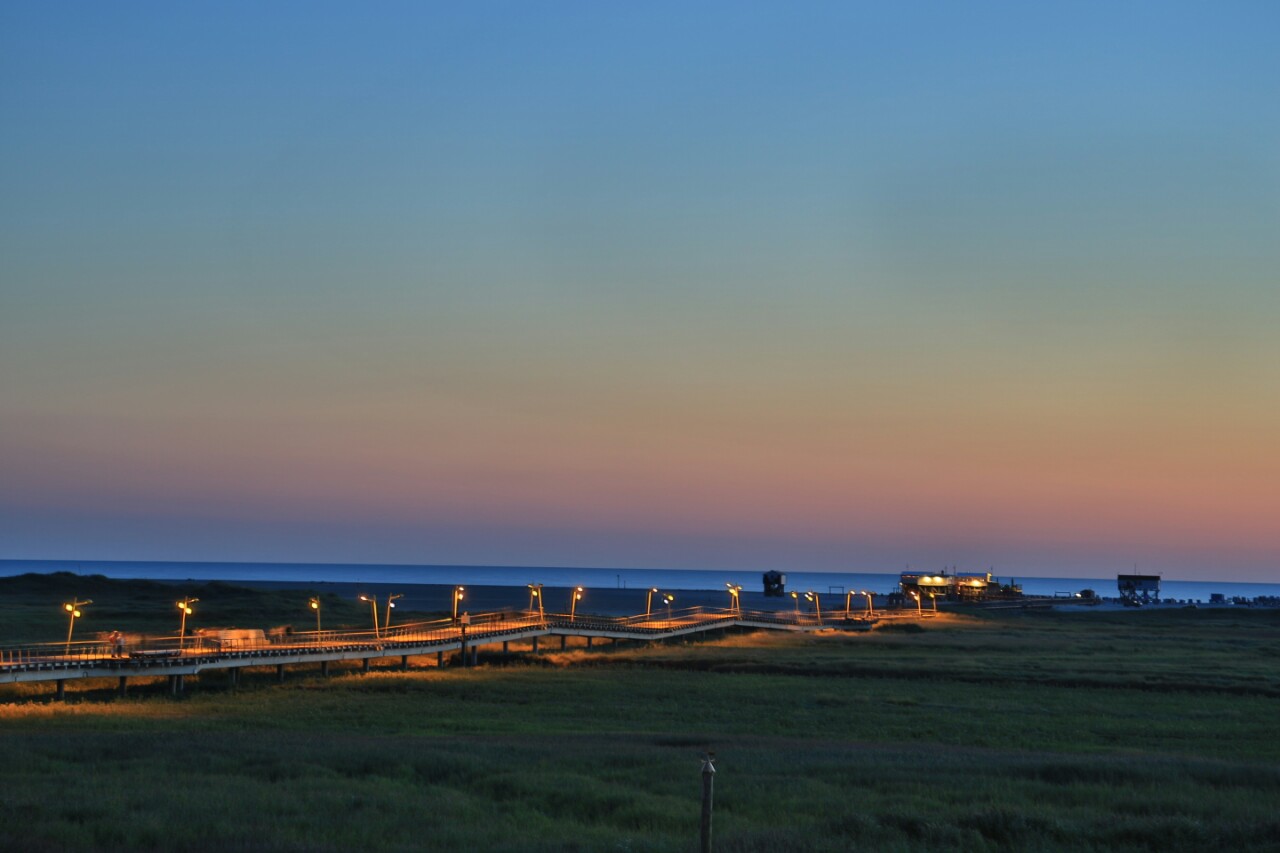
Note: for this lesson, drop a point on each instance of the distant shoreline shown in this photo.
(688, 583)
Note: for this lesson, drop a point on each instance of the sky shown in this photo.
(815, 286)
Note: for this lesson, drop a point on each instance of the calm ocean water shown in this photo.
(823, 582)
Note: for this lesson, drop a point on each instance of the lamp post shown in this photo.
(73, 610)
(535, 594)
(813, 596)
(459, 592)
(848, 598)
(391, 602)
(667, 599)
(574, 598)
(795, 597)
(315, 605)
(735, 605)
(933, 598)
(373, 606)
(871, 610)
(648, 601)
(919, 605)
(184, 607)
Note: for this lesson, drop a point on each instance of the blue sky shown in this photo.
(835, 286)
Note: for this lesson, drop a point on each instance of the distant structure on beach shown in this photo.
(957, 586)
(1137, 590)
(775, 584)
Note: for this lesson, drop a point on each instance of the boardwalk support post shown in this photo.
(123, 689)
(404, 663)
(324, 669)
(280, 673)
(62, 690)
(708, 788)
(564, 641)
(365, 668)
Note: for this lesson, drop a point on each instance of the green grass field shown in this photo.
(1037, 731)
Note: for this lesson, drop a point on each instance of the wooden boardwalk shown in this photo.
(168, 656)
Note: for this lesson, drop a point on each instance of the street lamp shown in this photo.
(373, 605)
(668, 598)
(871, 610)
(919, 605)
(813, 596)
(573, 603)
(458, 595)
(933, 597)
(73, 609)
(648, 601)
(315, 605)
(795, 597)
(735, 605)
(391, 602)
(184, 607)
(535, 594)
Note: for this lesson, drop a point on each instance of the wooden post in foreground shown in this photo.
(708, 787)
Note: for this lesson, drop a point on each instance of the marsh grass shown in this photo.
(1040, 732)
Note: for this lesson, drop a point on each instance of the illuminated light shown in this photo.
(458, 595)
(535, 594)
(73, 611)
(391, 602)
(735, 604)
(184, 607)
(373, 607)
(648, 601)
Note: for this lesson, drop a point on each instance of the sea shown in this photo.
(597, 578)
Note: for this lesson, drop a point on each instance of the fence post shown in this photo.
(708, 787)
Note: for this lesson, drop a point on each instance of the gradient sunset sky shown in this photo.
(811, 286)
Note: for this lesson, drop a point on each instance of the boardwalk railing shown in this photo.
(205, 648)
